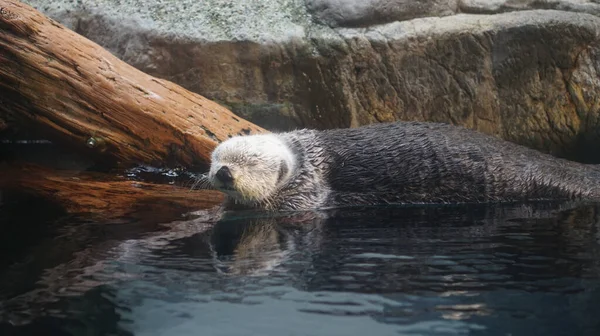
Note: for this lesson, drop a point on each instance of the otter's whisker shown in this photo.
(201, 182)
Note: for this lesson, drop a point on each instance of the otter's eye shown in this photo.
(283, 170)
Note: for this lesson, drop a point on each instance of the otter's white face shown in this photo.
(251, 168)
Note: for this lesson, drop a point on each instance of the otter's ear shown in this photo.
(283, 170)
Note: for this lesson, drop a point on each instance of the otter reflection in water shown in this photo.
(239, 244)
(255, 246)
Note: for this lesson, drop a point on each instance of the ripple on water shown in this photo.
(519, 269)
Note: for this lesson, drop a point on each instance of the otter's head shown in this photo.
(251, 168)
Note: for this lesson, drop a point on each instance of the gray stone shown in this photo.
(527, 76)
(357, 13)
(500, 6)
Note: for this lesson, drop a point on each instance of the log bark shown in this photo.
(77, 93)
(105, 196)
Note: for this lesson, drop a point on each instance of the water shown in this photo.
(527, 269)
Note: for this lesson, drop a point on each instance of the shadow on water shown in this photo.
(527, 269)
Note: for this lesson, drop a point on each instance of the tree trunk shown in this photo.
(76, 93)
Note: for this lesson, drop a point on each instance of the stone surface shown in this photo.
(529, 76)
(499, 6)
(357, 13)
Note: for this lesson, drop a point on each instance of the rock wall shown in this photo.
(526, 71)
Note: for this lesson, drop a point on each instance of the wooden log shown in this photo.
(106, 196)
(76, 93)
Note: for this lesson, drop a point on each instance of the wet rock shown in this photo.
(529, 76)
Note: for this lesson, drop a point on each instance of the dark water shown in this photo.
(469, 270)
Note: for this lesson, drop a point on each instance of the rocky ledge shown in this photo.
(526, 71)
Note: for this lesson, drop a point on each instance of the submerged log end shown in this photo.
(106, 196)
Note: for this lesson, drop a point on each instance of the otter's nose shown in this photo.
(224, 175)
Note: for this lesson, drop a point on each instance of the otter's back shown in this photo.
(434, 162)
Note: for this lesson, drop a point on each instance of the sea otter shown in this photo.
(390, 163)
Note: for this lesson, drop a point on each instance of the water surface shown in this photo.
(526, 269)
